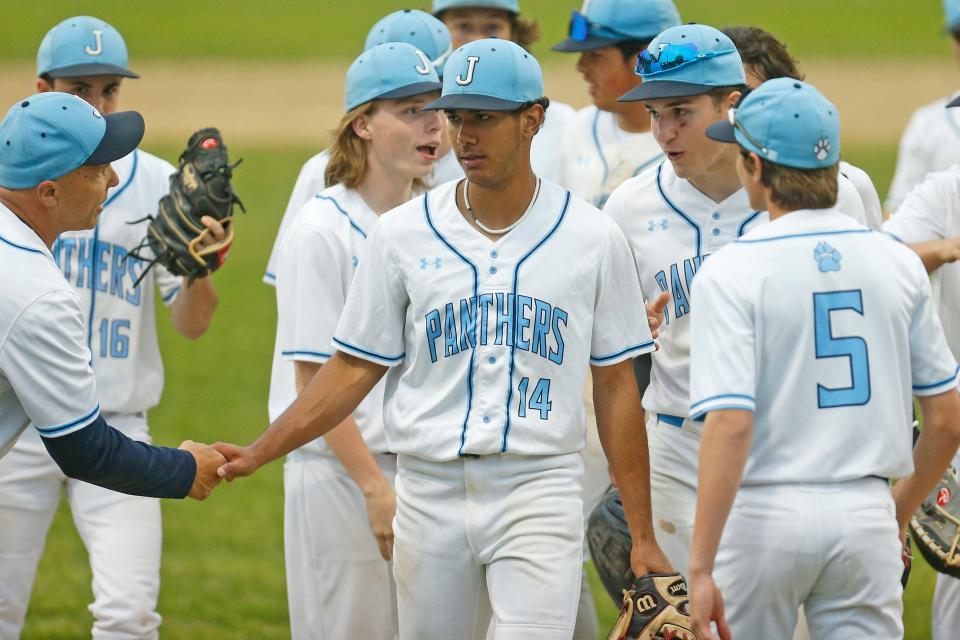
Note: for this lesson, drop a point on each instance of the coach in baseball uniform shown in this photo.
(55, 155)
(87, 57)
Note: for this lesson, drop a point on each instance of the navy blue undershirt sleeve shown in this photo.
(101, 455)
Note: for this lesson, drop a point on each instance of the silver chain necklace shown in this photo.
(497, 232)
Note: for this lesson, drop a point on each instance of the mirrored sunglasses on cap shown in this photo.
(732, 119)
(673, 56)
(581, 28)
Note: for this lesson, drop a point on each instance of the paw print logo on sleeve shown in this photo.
(828, 258)
(822, 149)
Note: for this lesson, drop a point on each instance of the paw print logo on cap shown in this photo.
(822, 149)
(828, 258)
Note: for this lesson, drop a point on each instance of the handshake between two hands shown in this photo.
(220, 461)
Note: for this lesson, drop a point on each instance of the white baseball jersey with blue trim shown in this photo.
(598, 156)
(318, 257)
(121, 330)
(930, 143)
(672, 227)
(488, 343)
(796, 323)
(45, 375)
(932, 212)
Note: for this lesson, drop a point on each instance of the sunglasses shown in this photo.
(581, 29)
(672, 56)
(732, 119)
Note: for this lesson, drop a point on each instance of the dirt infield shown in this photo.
(297, 103)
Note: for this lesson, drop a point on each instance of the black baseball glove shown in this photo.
(176, 238)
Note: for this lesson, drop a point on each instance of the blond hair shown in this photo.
(348, 153)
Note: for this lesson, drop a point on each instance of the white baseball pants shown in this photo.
(338, 585)
(122, 534)
(515, 522)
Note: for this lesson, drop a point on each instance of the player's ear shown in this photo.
(48, 193)
(531, 119)
(43, 86)
(361, 127)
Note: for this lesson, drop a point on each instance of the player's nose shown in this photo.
(113, 179)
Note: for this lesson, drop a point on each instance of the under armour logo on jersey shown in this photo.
(471, 65)
(436, 263)
(822, 149)
(653, 224)
(97, 48)
(425, 65)
(828, 258)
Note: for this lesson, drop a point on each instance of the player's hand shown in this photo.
(706, 606)
(208, 461)
(381, 507)
(239, 461)
(648, 557)
(655, 313)
(215, 232)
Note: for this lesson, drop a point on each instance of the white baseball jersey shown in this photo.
(796, 323)
(315, 266)
(544, 157)
(860, 179)
(671, 227)
(932, 212)
(597, 155)
(488, 342)
(121, 330)
(931, 142)
(45, 375)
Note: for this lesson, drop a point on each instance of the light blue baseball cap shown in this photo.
(48, 135)
(604, 23)
(387, 71)
(83, 46)
(513, 6)
(787, 122)
(686, 61)
(414, 27)
(951, 10)
(490, 75)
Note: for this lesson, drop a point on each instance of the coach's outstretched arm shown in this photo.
(332, 395)
(624, 440)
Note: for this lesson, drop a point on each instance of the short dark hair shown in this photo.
(630, 49)
(762, 50)
(719, 94)
(795, 189)
(543, 102)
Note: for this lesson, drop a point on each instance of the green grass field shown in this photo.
(223, 571)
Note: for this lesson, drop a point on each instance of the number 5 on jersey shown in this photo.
(853, 348)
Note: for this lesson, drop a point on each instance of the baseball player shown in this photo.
(470, 20)
(929, 221)
(931, 141)
(765, 58)
(54, 176)
(804, 355)
(610, 141)
(87, 57)
(483, 301)
(338, 490)
(674, 216)
(604, 144)
(430, 36)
